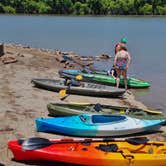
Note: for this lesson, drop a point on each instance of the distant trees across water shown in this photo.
(84, 7)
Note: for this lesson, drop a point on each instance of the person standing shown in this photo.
(121, 62)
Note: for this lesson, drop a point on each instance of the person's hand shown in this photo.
(114, 78)
(127, 66)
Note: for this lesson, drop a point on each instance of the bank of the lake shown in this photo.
(21, 103)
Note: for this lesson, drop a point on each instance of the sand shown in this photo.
(21, 103)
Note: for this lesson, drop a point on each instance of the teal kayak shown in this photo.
(103, 78)
(88, 125)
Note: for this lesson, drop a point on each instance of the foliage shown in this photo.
(146, 9)
(9, 9)
(1, 8)
(161, 10)
(82, 7)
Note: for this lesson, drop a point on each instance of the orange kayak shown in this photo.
(127, 152)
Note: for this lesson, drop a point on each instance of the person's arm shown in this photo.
(112, 73)
(129, 60)
(115, 60)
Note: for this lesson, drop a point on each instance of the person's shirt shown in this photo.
(121, 59)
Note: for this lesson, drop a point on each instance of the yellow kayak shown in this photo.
(129, 152)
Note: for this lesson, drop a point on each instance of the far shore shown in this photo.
(21, 103)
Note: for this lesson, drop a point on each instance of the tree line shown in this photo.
(84, 7)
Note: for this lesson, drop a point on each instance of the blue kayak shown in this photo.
(97, 125)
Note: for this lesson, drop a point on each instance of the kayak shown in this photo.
(88, 89)
(87, 125)
(131, 151)
(103, 78)
(63, 109)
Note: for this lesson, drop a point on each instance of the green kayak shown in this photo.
(60, 109)
(103, 78)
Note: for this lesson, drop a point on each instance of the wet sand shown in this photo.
(21, 103)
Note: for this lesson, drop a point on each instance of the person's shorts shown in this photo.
(122, 67)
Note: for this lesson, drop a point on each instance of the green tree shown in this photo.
(146, 9)
(1, 8)
(155, 4)
(9, 9)
(96, 6)
(43, 8)
(107, 6)
(111, 7)
(131, 8)
(81, 9)
(31, 7)
(123, 7)
(161, 10)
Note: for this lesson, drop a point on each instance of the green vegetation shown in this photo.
(85, 7)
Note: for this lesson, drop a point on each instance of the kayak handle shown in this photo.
(128, 156)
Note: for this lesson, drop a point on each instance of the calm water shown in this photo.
(146, 38)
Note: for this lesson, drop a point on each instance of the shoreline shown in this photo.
(21, 103)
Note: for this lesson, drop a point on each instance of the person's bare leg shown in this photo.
(124, 73)
(118, 78)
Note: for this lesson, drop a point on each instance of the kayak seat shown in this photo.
(108, 147)
(97, 107)
(74, 82)
(107, 118)
(86, 71)
(137, 140)
(20, 141)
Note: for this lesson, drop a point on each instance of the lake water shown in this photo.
(91, 36)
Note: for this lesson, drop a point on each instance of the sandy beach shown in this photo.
(21, 103)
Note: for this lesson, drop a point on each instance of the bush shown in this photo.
(161, 10)
(1, 8)
(146, 9)
(9, 9)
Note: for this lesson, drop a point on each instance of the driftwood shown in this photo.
(103, 56)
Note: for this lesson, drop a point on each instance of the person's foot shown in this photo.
(128, 91)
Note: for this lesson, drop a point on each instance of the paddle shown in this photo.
(62, 92)
(37, 142)
(68, 82)
(122, 109)
(80, 103)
